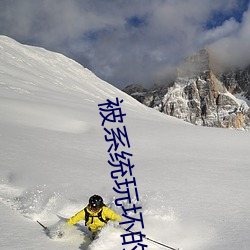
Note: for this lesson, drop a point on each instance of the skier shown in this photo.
(95, 214)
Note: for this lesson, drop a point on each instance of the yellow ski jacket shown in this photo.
(94, 223)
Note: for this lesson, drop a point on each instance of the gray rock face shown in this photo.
(237, 81)
(200, 97)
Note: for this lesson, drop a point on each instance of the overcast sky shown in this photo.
(131, 41)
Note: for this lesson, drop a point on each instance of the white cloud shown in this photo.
(228, 28)
(97, 32)
(233, 50)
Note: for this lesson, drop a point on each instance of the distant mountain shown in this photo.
(201, 94)
(237, 81)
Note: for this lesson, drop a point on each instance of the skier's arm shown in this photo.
(77, 217)
(110, 214)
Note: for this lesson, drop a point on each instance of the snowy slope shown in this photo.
(193, 182)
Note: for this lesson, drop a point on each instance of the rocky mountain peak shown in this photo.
(200, 96)
(196, 64)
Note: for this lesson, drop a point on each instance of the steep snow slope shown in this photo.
(193, 182)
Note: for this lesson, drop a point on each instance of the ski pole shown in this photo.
(45, 228)
(157, 242)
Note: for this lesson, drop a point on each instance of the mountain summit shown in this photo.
(202, 97)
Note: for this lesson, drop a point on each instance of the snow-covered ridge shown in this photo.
(33, 74)
(34, 66)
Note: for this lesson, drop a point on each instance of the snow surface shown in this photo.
(193, 182)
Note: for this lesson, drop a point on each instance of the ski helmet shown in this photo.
(95, 202)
